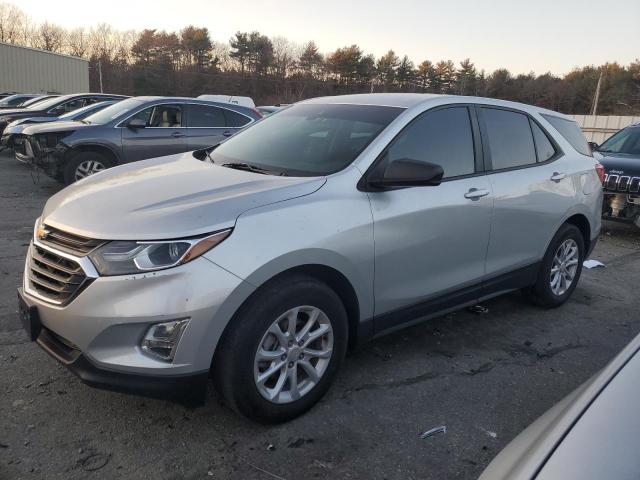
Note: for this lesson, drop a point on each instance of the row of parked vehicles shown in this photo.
(73, 136)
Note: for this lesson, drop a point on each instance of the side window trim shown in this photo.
(190, 107)
(485, 140)
(478, 153)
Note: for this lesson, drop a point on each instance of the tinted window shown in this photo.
(307, 139)
(544, 147)
(205, 116)
(69, 106)
(443, 137)
(510, 138)
(159, 116)
(234, 119)
(625, 141)
(13, 100)
(571, 132)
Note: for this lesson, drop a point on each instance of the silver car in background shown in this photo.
(261, 260)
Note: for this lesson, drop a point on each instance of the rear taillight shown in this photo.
(600, 171)
(258, 112)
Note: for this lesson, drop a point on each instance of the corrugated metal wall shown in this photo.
(29, 70)
(597, 128)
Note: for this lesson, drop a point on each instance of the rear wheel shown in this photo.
(85, 164)
(560, 269)
(283, 350)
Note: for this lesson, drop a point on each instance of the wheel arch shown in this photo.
(336, 280)
(92, 147)
(582, 223)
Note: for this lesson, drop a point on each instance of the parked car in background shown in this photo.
(15, 101)
(592, 434)
(267, 110)
(6, 94)
(35, 100)
(336, 220)
(132, 130)
(620, 156)
(12, 136)
(54, 107)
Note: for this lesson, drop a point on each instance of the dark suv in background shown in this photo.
(134, 129)
(620, 156)
(54, 107)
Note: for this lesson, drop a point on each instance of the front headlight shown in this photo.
(130, 257)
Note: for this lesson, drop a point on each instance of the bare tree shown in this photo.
(51, 37)
(78, 42)
(11, 22)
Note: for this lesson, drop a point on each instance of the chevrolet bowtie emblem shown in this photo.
(42, 233)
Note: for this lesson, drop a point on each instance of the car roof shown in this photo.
(409, 100)
(201, 101)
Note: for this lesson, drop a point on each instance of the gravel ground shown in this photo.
(485, 377)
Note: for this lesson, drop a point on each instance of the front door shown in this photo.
(164, 133)
(432, 241)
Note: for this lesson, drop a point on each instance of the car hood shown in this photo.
(167, 197)
(53, 127)
(18, 112)
(619, 163)
(18, 126)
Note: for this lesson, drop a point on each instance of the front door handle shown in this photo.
(476, 193)
(177, 134)
(227, 133)
(557, 176)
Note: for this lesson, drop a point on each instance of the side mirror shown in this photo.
(406, 172)
(137, 123)
(594, 146)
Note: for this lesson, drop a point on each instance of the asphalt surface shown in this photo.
(484, 376)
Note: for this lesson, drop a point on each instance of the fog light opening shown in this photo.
(161, 339)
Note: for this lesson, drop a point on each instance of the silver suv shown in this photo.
(261, 261)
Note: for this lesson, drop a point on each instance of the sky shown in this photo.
(533, 36)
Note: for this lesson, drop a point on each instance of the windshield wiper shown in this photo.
(247, 167)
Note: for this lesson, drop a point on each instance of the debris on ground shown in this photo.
(478, 309)
(592, 264)
(489, 432)
(434, 431)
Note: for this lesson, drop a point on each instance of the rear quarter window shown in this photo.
(571, 132)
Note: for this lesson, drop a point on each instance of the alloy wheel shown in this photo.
(564, 267)
(293, 354)
(88, 167)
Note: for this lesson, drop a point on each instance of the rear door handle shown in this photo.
(557, 176)
(476, 193)
(177, 134)
(227, 133)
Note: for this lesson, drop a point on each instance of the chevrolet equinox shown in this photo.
(260, 261)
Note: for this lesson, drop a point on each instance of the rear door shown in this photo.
(532, 188)
(209, 125)
(432, 241)
(164, 133)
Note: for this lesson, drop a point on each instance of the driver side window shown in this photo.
(160, 116)
(442, 137)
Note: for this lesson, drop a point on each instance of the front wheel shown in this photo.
(560, 269)
(282, 350)
(83, 165)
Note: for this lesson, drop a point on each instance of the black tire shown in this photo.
(233, 365)
(70, 167)
(541, 292)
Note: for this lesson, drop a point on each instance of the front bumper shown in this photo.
(97, 335)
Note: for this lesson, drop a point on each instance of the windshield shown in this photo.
(83, 112)
(47, 104)
(33, 101)
(13, 100)
(625, 141)
(307, 139)
(113, 111)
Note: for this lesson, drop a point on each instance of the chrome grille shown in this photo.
(68, 242)
(52, 276)
(621, 183)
